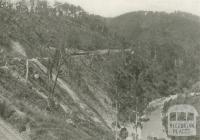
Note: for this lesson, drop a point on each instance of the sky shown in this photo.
(111, 8)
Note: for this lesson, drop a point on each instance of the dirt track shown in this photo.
(154, 126)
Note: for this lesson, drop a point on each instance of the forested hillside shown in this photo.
(44, 26)
(43, 93)
(166, 58)
(81, 92)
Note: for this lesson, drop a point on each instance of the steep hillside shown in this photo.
(52, 27)
(74, 110)
(170, 40)
(166, 54)
(66, 74)
(8, 133)
(26, 106)
(158, 27)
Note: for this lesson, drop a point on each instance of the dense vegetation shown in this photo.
(43, 26)
(164, 60)
(40, 30)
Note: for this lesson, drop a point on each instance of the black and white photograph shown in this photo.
(99, 69)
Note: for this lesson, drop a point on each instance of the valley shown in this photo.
(66, 74)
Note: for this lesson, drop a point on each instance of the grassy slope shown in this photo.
(32, 107)
(34, 32)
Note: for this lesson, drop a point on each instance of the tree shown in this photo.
(54, 68)
(56, 59)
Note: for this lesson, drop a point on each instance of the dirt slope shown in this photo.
(8, 133)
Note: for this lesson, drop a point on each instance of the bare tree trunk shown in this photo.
(27, 69)
(136, 120)
(116, 125)
(58, 66)
(49, 72)
(52, 81)
(55, 82)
